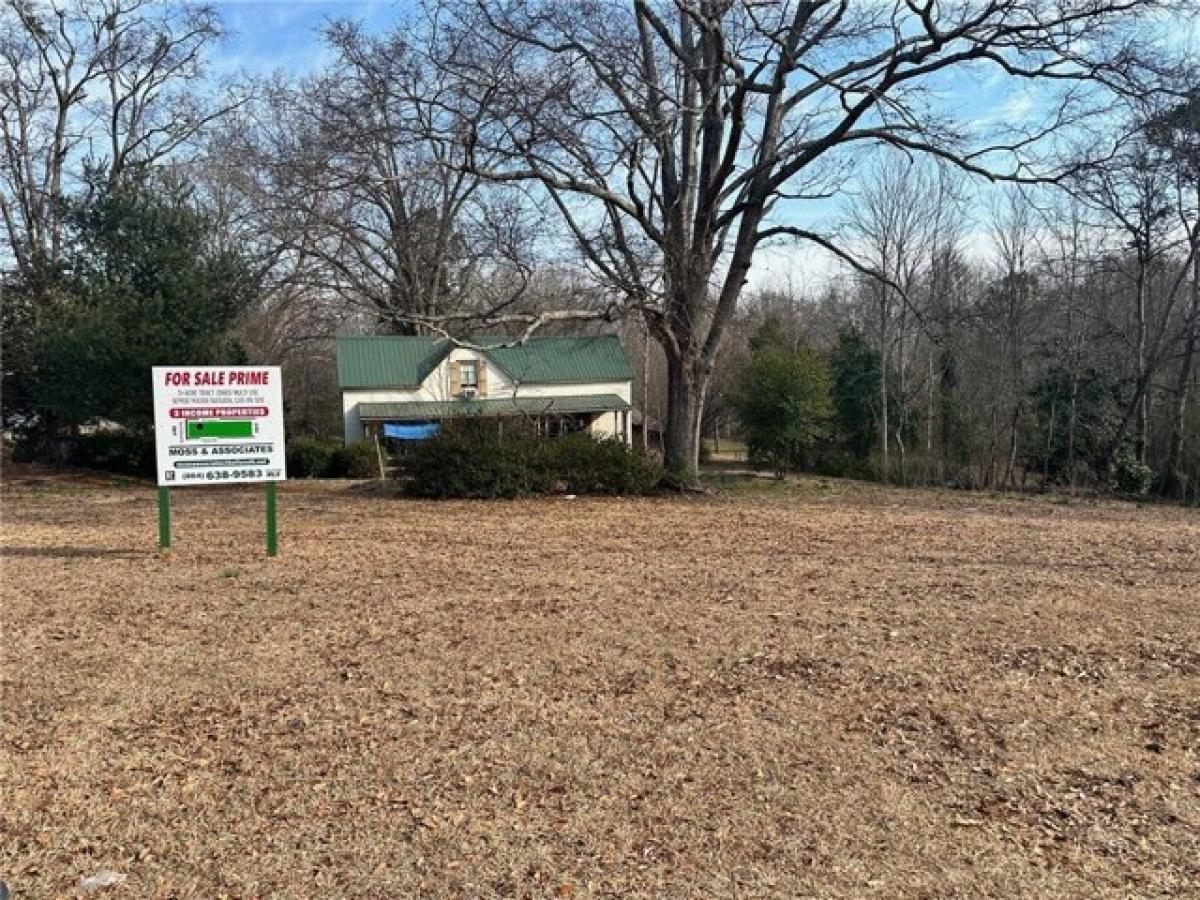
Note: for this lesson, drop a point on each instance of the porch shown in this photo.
(603, 415)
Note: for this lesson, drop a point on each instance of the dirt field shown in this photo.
(830, 690)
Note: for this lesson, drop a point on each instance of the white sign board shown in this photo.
(218, 424)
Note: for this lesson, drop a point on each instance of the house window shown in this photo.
(468, 375)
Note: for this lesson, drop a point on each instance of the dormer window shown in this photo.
(468, 378)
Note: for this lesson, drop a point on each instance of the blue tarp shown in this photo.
(413, 432)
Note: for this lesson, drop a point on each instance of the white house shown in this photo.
(563, 384)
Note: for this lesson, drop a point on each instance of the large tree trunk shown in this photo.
(685, 395)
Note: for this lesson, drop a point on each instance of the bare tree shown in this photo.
(1015, 310)
(1069, 251)
(364, 207)
(92, 86)
(1133, 195)
(1176, 130)
(678, 137)
(890, 222)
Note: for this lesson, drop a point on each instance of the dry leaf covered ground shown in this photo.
(828, 690)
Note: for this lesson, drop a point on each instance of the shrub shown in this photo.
(310, 457)
(472, 458)
(1130, 476)
(783, 404)
(27, 447)
(675, 478)
(476, 458)
(838, 463)
(589, 466)
(358, 459)
(125, 452)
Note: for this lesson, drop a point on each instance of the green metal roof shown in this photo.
(551, 360)
(380, 361)
(385, 361)
(513, 406)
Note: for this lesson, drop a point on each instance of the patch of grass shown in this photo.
(729, 450)
(740, 482)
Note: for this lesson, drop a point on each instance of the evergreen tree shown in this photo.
(783, 403)
(856, 369)
(143, 284)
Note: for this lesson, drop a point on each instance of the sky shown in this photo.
(271, 35)
(284, 35)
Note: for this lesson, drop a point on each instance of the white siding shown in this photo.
(499, 387)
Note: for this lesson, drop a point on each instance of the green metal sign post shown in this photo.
(272, 533)
(164, 518)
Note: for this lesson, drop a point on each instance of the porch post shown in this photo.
(378, 452)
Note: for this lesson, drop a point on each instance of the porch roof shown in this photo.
(420, 410)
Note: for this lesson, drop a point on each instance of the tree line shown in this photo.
(1018, 296)
(1059, 350)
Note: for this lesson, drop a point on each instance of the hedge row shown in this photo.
(472, 458)
(309, 457)
(132, 453)
(476, 458)
(123, 452)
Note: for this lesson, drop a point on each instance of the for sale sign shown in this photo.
(218, 424)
